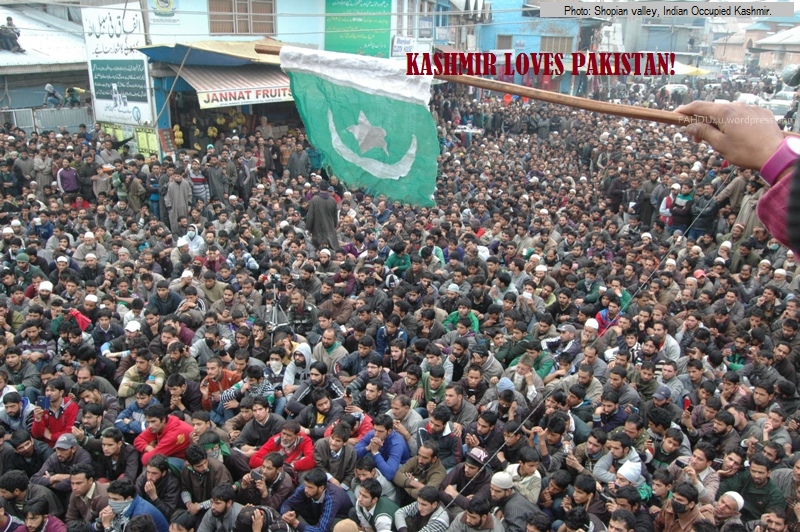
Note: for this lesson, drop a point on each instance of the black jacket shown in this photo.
(255, 434)
(127, 465)
(168, 489)
(308, 419)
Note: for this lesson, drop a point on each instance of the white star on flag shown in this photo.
(367, 135)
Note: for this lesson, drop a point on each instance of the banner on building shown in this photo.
(118, 72)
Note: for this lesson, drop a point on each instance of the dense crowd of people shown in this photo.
(592, 330)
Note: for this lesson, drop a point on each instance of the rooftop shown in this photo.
(51, 44)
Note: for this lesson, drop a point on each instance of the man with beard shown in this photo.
(723, 436)
(682, 510)
(274, 486)
(476, 517)
(38, 518)
(422, 470)
(372, 401)
(23, 375)
(143, 372)
(759, 492)
(16, 490)
(89, 393)
(514, 507)
(328, 350)
(158, 486)
(469, 477)
(55, 472)
(215, 173)
(317, 416)
(224, 510)
(317, 501)
(177, 199)
(17, 413)
(124, 504)
(90, 245)
(199, 476)
(296, 447)
(318, 378)
(463, 412)
(44, 297)
(89, 428)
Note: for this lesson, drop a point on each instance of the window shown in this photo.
(505, 42)
(408, 13)
(556, 44)
(241, 17)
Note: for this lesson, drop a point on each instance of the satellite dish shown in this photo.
(791, 75)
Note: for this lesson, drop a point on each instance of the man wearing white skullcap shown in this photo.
(512, 503)
(90, 245)
(727, 510)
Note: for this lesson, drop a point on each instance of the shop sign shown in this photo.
(230, 98)
(402, 46)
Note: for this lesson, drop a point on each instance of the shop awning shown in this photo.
(244, 85)
(210, 53)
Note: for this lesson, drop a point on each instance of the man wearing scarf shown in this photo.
(123, 504)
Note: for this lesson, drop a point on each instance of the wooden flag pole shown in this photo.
(627, 111)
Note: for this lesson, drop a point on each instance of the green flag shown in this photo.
(369, 119)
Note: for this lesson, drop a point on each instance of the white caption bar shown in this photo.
(653, 10)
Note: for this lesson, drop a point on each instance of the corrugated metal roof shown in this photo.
(211, 53)
(781, 39)
(736, 38)
(49, 48)
(238, 78)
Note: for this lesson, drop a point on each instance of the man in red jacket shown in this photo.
(165, 435)
(297, 449)
(49, 424)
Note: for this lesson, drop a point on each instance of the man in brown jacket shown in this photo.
(682, 510)
(422, 470)
(88, 497)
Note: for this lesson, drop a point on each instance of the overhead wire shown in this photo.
(282, 34)
(316, 15)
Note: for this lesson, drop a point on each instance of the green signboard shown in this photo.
(364, 27)
(116, 79)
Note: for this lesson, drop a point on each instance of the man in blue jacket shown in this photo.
(388, 448)
(123, 504)
(317, 502)
(131, 420)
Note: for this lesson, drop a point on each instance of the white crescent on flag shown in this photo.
(380, 170)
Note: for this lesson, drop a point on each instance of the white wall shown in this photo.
(309, 30)
(188, 24)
